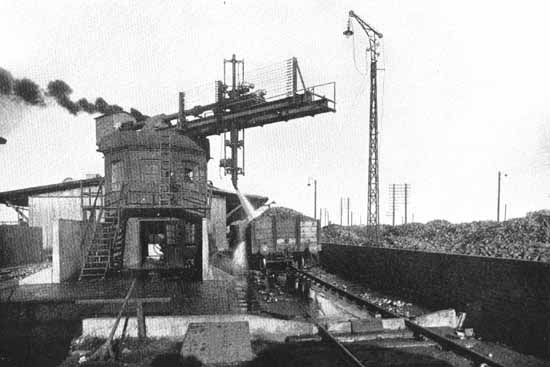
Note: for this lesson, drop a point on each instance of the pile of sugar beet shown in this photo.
(526, 238)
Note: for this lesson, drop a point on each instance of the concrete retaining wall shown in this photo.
(67, 253)
(20, 245)
(506, 300)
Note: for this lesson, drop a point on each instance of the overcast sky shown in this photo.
(464, 93)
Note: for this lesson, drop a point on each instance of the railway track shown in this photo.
(353, 356)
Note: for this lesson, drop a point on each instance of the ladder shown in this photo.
(106, 248)
(165, 169)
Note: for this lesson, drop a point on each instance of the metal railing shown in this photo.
(91, 224)
(189, 195)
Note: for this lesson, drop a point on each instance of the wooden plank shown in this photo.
(96, 301)
(140, 320)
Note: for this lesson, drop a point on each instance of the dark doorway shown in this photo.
(152, 236)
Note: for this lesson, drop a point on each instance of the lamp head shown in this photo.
(2, 140)
(348, 32)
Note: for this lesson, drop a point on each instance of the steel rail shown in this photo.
(351, 357)
(440, 339)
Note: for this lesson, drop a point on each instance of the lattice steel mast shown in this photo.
(373, 216)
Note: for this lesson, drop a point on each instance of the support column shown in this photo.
(204, 250)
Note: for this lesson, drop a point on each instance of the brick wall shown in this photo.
(506, 300)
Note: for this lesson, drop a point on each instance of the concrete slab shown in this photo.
(442, 318)
(376, 325)
(175, 327)
(387, 334)
(366, 326)
(44, 276)
(218, 342)
(337, 326)
(393, 324)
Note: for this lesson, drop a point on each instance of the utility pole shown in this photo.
(341, 209)
(498, 194)
(351, 218)
(406, 202)
(314, 196)
(498, 198)
(393, 205)
(373, 217)
(348, 212)
(399, 196)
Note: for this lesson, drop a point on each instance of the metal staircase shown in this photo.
(104, 251)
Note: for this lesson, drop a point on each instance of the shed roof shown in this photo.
(20, 197)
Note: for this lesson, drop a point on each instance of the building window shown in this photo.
(188, 174)
(189, 171)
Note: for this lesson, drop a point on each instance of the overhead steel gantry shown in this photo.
(242, 105)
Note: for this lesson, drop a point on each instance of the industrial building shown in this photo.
(42, 208)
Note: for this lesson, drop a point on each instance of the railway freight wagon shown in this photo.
(281, 237)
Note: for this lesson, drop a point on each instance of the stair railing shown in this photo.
(121, 200)
(85, 242)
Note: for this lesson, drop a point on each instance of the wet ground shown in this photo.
(164, 352)
(27, 338)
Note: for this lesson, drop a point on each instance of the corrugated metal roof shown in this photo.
(21, 197)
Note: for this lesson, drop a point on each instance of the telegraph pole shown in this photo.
(498, 194)
(341, 209)
(498, 198)
(393, 205)
(315, 198)
(348, 213)
(406, 202)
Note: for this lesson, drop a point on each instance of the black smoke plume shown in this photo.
(138, 115)
(60, 91)
(29, 92)
(6, 82)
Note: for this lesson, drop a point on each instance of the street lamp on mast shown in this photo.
(373, 205)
